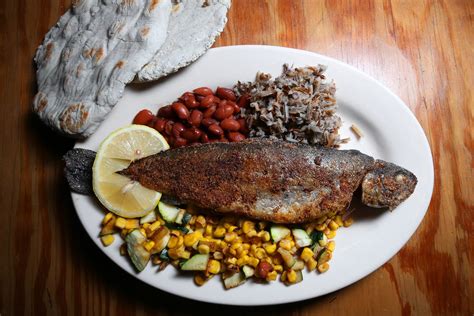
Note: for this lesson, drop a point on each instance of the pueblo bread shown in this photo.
(194, 26)
(86, 60)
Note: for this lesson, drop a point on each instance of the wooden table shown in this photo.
(422, 50)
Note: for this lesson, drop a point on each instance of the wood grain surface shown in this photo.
(422, 50)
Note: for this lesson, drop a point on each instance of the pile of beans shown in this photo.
(201, 116)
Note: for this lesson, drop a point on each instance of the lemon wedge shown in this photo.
(116, 192)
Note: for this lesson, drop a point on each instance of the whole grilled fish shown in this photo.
(272, 180)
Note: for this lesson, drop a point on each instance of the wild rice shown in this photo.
(298, 106)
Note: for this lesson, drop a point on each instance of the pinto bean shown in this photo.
(181, 110)
(225, 93)
(230, 124)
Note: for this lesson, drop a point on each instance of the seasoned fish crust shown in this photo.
(263, 179)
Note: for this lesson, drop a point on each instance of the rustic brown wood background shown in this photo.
(422, 50)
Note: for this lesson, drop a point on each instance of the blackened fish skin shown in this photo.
(272, 180)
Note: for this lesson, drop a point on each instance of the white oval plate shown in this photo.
(391, 133)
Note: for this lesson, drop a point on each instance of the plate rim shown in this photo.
(407, 111)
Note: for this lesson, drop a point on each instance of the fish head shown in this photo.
(387, 185)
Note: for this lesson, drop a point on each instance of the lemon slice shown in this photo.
(116, 192)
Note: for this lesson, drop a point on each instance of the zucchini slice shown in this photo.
(148, 218)
(287, 257)
(324, 256)
(109, 228)
(234, 280)
(179, 217)
(316, 236)
(186, 218)
(299, 265)
(160, 237)
(301, 238)
(135, 249)
(196, 263)
(278, 232)
(248, 271)
(164, 255)
(182, 229)
(168, 212)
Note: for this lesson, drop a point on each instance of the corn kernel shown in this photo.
(123, 249)
(306, 254)
(123, 233)
(120, 222)
(229, 237)
(321, 227)
(291, 276)
(326, 231)
(218, 255)
(331, 234)
(219, 232)
(192, 221)
(241, 261)
(323, 242)
(231, 260)
(264, 235)
(175, 253)
(184, 254)
(260, 253)
(277, 260)
(142, 231)
(348, 222)
(180, 241)
(154, 226)
(107, 240)
(161, 221)
(200, 221)
(241, 252)
(253, 262)
(192, 238)
(333, 225)
(247, 226)
(285, 244)
(283, 276)
(271, 276)
(146, 225)
(323, 267)
(252, 233)
(214, 266)
(278, 267)
(224, 249)
(107, 218)
(339, 221)
(132, 223)
(173, 242)
(148, 245)
(270, 248)
(203, 249)
(199, 279)
(236, 246)
(231, 228)
(208, 231)
(311, 264)
(246, 246)
(331, 245)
